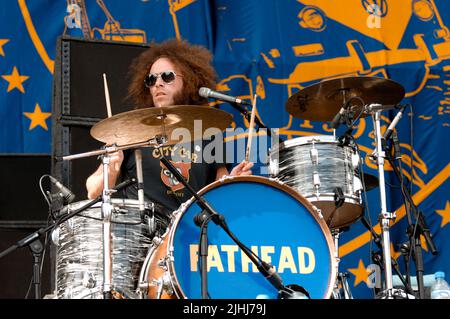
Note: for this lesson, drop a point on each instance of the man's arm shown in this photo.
(94, 183)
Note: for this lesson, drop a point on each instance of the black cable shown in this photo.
(360, 113)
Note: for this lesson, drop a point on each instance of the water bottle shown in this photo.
(440, 288)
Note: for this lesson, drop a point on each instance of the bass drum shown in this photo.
(270, 218)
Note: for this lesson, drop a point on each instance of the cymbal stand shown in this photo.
(141, 199)
(341, 278)
(106, 228)
(385, 216)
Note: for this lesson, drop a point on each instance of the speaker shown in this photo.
(79, 101)
(21, 200)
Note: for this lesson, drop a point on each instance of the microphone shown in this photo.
(390, 129)
(397, 152)
(337, 118)
(64, 192)
(374, 107)
(208, 93)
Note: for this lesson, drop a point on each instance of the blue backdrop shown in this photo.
(272, 48)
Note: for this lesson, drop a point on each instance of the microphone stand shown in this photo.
(247, 115)
(35, 245)
(414, 231)
(263, 267)
(385, 216)
(395, 266)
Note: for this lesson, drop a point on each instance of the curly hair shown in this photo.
(193, 61)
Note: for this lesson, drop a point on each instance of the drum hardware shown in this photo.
(421, 228)
(377, 258)
(385, 216)
(163, 284)
(339, 199)
(36, 246)
(295, 292)
(414, 230)
(106, 228)
(341, 289)
(314, 154)
(140, 179)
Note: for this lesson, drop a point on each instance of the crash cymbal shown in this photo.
(143, 124)
(322, 101)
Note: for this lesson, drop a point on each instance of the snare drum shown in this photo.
(323, 171)
(79, 254)
(270, 218)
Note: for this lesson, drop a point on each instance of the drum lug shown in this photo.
(162, 263)
(55, 236)
(163, 283)
(89, 280)
(318, 211)
(276, 180)
(156, 241)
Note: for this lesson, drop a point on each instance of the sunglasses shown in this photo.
(166, 76)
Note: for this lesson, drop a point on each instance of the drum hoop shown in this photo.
(126, 202)
(306, 140)
(263, 180)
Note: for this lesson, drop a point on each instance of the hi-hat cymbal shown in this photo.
(143, 124)
(322, 101)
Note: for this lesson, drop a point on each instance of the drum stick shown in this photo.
(250, 130)
(108, 102)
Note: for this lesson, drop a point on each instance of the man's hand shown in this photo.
(243, 168)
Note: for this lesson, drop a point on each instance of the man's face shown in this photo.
(164, 93)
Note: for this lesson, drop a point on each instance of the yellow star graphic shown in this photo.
(445, 213)
(2, 43)
(361, 273)
(38, 117)
(15, 80)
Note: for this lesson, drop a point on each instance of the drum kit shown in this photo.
(291, 219)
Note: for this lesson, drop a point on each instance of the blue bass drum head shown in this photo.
(270, 218)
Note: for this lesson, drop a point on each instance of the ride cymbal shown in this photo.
(322, 101)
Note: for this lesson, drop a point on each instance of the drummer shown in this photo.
(168, 73)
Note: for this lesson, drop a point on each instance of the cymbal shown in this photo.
(322, 101)
(143, 124)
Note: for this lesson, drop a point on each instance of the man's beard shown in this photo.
(180, 98)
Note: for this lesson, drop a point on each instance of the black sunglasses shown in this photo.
(166, 76)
